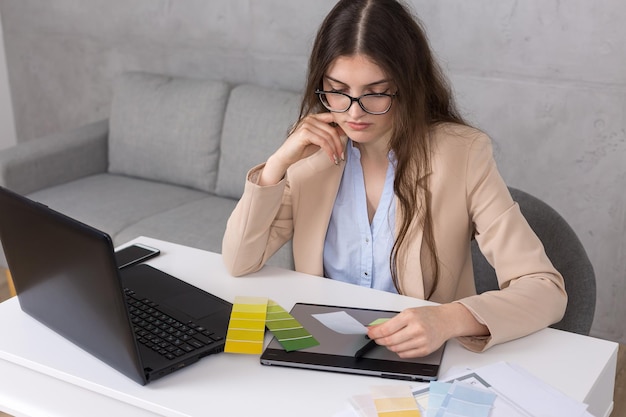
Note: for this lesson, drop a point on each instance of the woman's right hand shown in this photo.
(312, 133)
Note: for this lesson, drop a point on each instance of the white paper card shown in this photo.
(341, 322)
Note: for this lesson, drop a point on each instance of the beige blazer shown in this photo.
(469, 199)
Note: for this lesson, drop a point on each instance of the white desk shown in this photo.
(42, 374)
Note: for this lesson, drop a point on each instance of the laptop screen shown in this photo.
(66, 277)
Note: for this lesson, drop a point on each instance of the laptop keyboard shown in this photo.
(164, 334)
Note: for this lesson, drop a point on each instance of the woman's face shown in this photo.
(357, 75)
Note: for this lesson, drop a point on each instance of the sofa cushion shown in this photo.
(256, 123)
(113, 202)
(199, 224)
(167, 129)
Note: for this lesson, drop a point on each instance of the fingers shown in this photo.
(314, 132)
(390, 327)
(319, 130)
(411, 333)
(389, 334)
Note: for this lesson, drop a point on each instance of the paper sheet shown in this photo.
(519, 393)
(341, 322)
(534, 396)
(458, 400)
(394, 401)
(344, 323)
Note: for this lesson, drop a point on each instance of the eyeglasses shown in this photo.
(335, 101)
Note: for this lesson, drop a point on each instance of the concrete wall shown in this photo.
(7, 121)
(546, 79)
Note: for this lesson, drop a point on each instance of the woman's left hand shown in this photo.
(419, 331)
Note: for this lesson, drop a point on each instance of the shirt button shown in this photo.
(365, 273)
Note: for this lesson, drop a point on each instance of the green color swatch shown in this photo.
(287, 330)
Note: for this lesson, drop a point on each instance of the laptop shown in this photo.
(338, 347)
(139, 320)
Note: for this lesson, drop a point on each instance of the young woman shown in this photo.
(381, 183)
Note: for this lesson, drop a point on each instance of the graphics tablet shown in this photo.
(338, 346)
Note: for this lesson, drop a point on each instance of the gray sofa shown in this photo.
(168, 163)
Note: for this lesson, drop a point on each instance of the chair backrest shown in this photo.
(567, 255)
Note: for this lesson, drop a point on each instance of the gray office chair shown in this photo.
(567, 255)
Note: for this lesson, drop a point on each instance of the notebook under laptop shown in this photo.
(338, 346)
(139, 320)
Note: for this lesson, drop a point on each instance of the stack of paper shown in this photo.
(520, 393)
(455, 399)
(498, 390)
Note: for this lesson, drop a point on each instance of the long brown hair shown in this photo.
(387, 33)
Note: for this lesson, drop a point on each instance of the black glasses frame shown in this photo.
(320, 93)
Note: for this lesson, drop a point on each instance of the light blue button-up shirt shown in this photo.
(356, 251)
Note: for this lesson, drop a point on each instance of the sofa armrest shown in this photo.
(35, 164)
